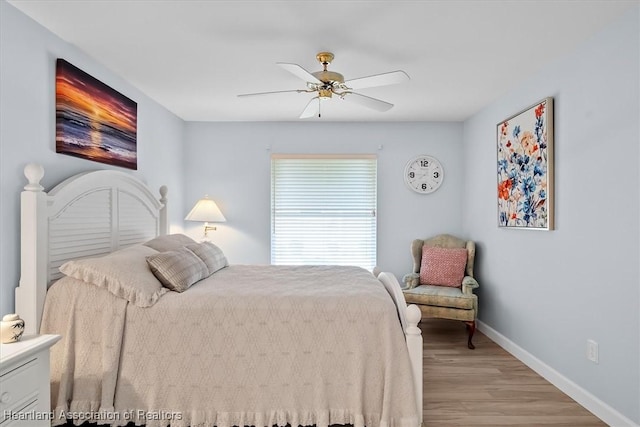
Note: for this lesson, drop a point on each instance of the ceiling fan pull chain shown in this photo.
(319, 104)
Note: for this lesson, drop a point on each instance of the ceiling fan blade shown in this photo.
(384, 79)
(312, 108)
(269, 93)
(299, 72)
(367, 101)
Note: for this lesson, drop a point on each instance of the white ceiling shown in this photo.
(195, 56)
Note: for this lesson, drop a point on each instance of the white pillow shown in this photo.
(124, 273)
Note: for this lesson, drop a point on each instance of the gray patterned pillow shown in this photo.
(179, 269)
(212, 255)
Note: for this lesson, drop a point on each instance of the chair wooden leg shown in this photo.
(471, 328)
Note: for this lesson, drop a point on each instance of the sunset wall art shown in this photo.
(94, 121)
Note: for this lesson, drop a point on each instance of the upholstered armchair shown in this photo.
(441, 283)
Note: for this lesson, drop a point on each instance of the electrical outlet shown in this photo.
(592, 351)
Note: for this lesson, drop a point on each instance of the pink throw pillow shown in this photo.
(442, 266)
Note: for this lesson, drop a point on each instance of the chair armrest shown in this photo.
(468, 285)
(411, 280)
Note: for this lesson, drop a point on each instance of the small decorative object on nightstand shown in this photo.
(24, 381)
(11, 328)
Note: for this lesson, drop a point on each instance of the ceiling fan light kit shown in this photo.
(327, 83)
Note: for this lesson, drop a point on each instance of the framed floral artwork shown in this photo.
(525, 168)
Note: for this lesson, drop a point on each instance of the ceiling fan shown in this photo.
(327, 83)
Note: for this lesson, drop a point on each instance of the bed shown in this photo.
(256, 345)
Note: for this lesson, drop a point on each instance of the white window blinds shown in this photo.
(323, 210)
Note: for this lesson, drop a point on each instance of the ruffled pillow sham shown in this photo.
(124, 273)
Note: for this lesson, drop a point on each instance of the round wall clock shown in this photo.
(423, 174)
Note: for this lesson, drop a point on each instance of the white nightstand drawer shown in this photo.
(24, 382)
(19, 385)
(18, 421)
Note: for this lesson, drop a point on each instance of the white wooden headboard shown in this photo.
(88, 214)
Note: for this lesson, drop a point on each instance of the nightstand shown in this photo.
(24, 381)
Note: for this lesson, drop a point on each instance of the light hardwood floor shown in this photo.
(487, 386)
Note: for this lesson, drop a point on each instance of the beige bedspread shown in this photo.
(250, 345)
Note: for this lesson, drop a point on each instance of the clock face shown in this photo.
(424, 174)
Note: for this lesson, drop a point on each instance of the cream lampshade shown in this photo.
(206, 211)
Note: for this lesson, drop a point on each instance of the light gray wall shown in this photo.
(549, 292)
(231, 163)
(28, 55)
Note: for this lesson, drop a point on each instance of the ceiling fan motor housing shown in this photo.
(328, 77)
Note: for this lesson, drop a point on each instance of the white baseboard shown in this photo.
(594, 405)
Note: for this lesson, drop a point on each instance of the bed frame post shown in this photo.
(32, 288)
(413, 336)
(409, 317)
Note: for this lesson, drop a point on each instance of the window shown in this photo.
(323, 210)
